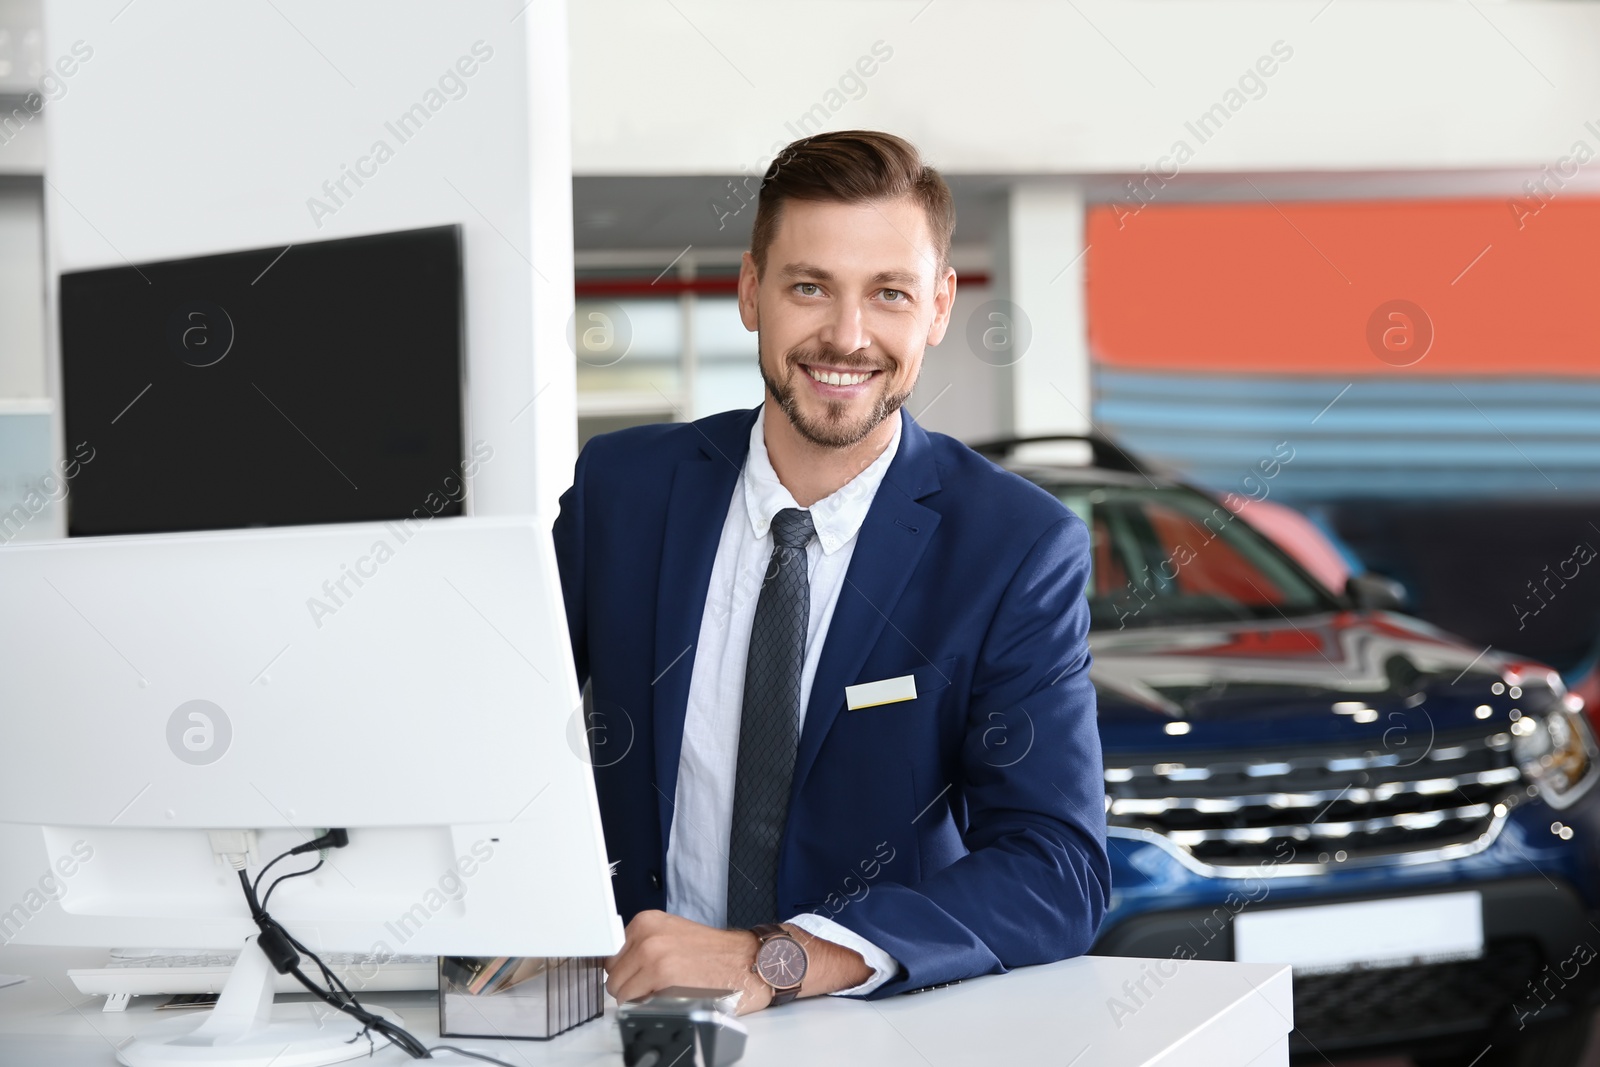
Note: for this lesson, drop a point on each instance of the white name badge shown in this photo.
(888, 691)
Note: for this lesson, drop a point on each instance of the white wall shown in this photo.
(198, 127)
(1094, 86)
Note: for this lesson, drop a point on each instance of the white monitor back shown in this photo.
(411, 682)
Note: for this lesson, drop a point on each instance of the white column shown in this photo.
(1038, 278)
(549, 428)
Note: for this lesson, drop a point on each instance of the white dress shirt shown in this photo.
(697, 850)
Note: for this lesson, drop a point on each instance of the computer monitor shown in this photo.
(409, 682)
(314, 383)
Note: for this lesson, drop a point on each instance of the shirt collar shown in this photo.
(836, 517)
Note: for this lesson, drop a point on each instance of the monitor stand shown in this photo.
(242, 1028)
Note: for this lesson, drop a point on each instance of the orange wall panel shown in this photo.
(1505, 287)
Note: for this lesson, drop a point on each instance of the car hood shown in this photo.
(1336, 676)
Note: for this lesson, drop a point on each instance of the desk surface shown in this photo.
(1077, 1012)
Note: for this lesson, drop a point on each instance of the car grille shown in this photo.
(1333, 805)
(1359, 1009)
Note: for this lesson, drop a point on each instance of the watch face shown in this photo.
(781, 962)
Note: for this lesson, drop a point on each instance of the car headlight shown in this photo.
(1556, 752)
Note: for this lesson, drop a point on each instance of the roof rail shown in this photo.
(1108, 455)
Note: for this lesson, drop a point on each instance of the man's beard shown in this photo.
(835, 429)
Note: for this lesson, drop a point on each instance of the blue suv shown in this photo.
(1306, 774)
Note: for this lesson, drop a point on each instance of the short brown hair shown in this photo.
(849, 167)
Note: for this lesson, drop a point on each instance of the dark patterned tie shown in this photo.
(769, 726)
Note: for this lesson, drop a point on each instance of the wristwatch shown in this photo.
(780, 961)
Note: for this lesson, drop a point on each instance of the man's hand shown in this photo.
(661, 950)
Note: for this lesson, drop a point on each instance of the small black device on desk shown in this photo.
(657, 1030)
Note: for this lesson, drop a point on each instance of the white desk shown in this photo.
(1206, 1015)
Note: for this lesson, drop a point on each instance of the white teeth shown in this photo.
(836, 378)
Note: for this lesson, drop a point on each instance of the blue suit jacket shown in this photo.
(963, 831)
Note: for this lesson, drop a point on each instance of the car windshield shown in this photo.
(1167, 555)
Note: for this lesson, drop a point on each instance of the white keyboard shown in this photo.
(207, 972)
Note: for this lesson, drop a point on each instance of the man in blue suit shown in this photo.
(843, 733)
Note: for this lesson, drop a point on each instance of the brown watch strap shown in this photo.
(764, 931)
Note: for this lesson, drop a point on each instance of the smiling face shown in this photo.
(851, 295)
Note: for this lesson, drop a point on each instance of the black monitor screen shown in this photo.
(316, 384)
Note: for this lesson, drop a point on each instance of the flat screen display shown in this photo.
(316, 383)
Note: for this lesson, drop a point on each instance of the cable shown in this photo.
(335, 838)
(284, 951)
(263, 872)
(284, 878)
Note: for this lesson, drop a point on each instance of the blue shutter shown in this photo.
(1382, 437)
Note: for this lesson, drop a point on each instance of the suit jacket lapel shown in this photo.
(696, 510)
(888, 548)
